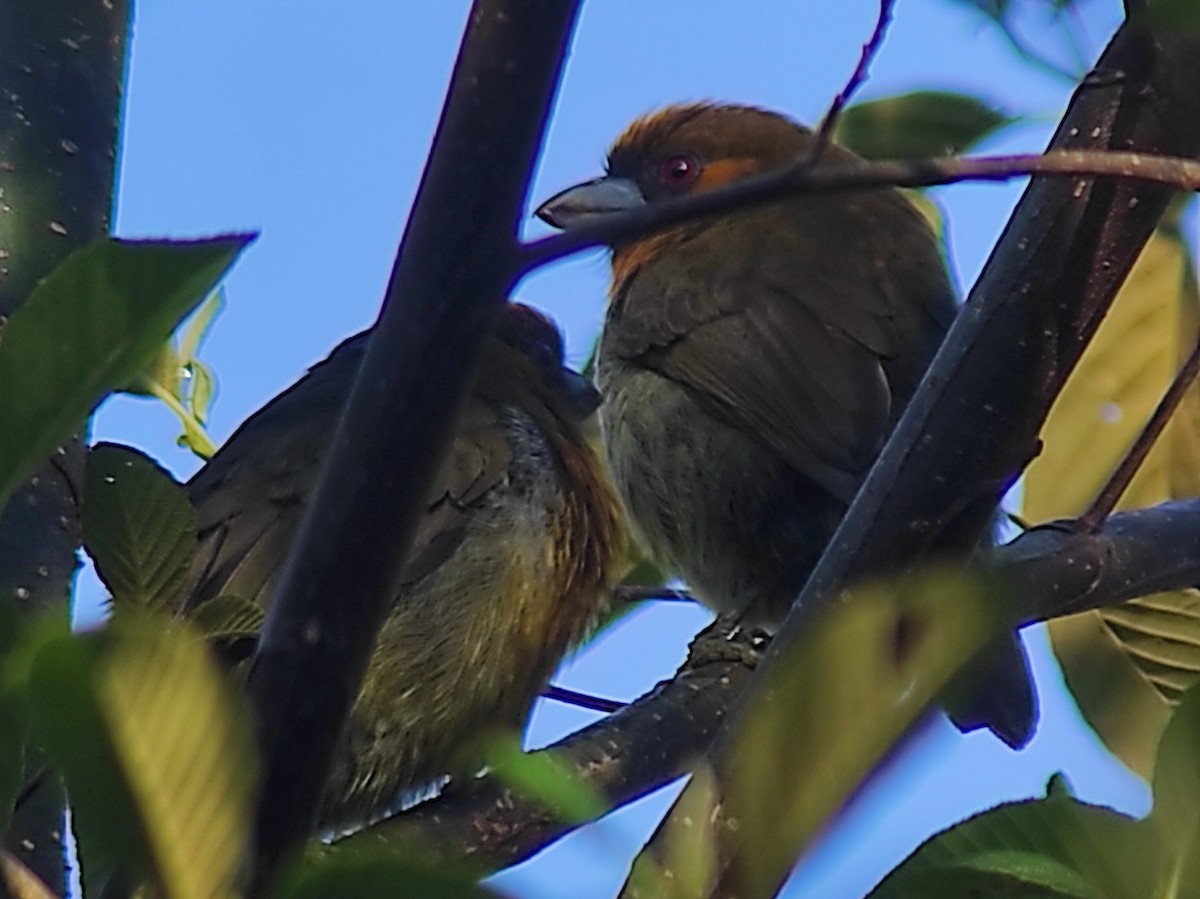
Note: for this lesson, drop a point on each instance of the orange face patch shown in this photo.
(628, 259)
(724, 171)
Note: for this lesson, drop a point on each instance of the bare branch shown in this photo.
(1118, 482)
(796, 179)
(870, 49)
(583, 700)
(1060, 569)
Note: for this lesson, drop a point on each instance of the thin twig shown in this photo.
(627, 594)
(583, 700)
(870, 49)
(794, 179)
(1017, 520)
(1091, 520)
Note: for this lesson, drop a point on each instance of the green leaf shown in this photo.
(1001, 876)
(138, 526)
(90, 327)
(181, 382)
(155, 746)
(1059, 846)
(921, 123)
(196, 329)
(547, 779)
(377, 874)
(1176, 814)
(1128, 664)
(204, 388)
(1056, 846)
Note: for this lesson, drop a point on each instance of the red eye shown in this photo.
(679, 171)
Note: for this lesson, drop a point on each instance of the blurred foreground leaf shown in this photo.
(375, 874)
(544, 778)
(155, 747)
(821, 719)
(19, 881)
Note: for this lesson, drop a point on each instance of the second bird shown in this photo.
(752, 365)
(510, 566)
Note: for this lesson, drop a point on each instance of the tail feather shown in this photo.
(997, 693)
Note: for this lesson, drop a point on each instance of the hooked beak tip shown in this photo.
(593, 198)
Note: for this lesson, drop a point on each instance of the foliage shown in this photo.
(1061, 847)
(182, 382)
(90, 327)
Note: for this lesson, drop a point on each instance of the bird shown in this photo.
(513, 562)
(752, 364)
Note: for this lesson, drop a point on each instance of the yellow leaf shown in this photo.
(1127, 665)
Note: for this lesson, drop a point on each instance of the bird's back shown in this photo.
(490, 601)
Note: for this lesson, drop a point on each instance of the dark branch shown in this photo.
(62, 69)
(627, 755)
(1146, 167)
(454, 268)
(1117, 483)
(1060, 569)
(870, 49)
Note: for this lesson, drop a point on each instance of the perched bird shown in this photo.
(753, 364)
(511, 565)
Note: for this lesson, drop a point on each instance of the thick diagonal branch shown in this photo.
(455, 265)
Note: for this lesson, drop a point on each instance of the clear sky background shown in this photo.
(310, 123)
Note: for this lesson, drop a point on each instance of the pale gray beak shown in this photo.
(592, 198)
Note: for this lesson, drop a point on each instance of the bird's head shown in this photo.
(527, 354)
(678, 151)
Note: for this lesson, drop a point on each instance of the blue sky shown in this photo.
(312, 127)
